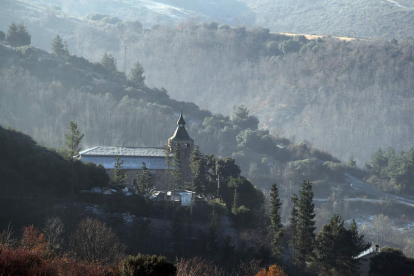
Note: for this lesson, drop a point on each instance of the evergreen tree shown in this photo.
(406, 170)
(66, 48)
(275, 219)
(12, 34)
(59, 48)
(144, 187)
(137, 73)
(199, 169)
(351, 162)
(2, 36)
(293, 221)
(118, 176)
(213, 233)
(108, 62)
(306, 224)
(357, 245)
(24, 36)
(379, 162)
(336, 249)
(73, 139)
(242, 119)
(177, 174)
(393, 165)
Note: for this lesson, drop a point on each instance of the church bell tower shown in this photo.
(186, 145)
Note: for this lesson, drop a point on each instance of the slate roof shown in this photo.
(130, 162)
(124, 151)
(181, 119)
(180, 134)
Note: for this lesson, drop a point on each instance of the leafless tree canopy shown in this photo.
(94, 241)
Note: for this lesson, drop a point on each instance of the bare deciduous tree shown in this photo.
(53, 231)
(94, 241)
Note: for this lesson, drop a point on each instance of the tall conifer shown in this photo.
(294, 216)
(72, 140)
(144, 187)
(199, 170)
(118, 176)
(108, 62)
(306, 224)
(275, 219)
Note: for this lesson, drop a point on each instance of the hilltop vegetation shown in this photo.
(363, 18)
(336, 95)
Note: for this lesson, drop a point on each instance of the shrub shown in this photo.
(94, 241)
(147, 265)
(274, 270)
(197, 266)
(24, 262)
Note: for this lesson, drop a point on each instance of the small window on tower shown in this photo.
(187, 145)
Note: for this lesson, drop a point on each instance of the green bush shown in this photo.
(147, 265)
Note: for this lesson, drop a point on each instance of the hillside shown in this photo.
(352, 18)
(295, 86)
(40, 93)
(355, 18)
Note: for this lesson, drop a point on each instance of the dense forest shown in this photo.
(265, 109)
(345, 97)
(234, 234)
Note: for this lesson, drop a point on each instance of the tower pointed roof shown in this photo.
(180, 133)
(181, 119)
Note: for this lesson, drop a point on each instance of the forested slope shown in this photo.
(347, 98)
(367, 18)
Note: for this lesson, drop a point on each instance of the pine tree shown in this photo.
(336, 249)
(137, 73)
(144, 187)
(275, 219)
(293, 221)
(213, 233)
(73, 139)
(108, 62)
(66, 49)
(351, 162)
(12, 34)
(329, 249)
(199, 170)
(24, 36)
(118, 176)
(59, 48)
(2, 36)
(357, 245)
(379, 162)
(306, 224)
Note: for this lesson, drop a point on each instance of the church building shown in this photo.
(153, 157)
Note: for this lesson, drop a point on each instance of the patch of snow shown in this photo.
(397, 4)
(96, 190)
(94, 209)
